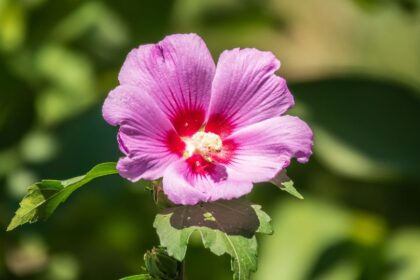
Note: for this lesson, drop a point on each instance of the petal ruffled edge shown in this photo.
(177, 72)
(143, 134)
(246, 90)
(267, 147)
(183, 187)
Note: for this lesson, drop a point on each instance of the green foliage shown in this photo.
(15, 96)
(328, 243)
(286, 184)
(406, 5)
(12, 25)
(73, 83)
(404, 249)
(44, 197)
(161, 266)
(138, 277)
(60, 58)
(289, 187)
(357, 136)
(264, 220)
(234, 217)
(242, 249)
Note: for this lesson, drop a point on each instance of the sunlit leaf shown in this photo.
(286, 184)
(38, 146)
(43, 197)
(63, 266)
(212, 226)
(18, 180)
(290, 188)
(95, 23)
(302, 232)
(72, 84)
(12, 26)
(403, 254)
(264, 220)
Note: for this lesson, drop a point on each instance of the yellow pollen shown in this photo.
(203, 143)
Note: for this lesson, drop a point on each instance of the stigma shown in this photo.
(202, 143)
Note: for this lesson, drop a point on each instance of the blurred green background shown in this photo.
(353, 66)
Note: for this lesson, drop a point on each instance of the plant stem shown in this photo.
(182, 271)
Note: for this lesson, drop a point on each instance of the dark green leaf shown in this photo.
(138, 277)
(162, 266)
(43, 197)
(410, 6)
(364, 127)
(243, 250)
(16, 96)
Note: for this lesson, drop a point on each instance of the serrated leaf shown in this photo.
(138, 277)
(243, 250)
(283, 182)
(264, 219)
(43, 197)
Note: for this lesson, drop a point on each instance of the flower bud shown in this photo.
(161, 266)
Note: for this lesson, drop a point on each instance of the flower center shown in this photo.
(204, 144)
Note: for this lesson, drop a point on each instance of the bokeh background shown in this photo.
(353, 66)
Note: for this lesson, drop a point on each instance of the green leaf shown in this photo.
(43, 197)
(73, 83)
(289, 187)
(14, 98)
(360, 141)
(264, 219)
(286, 184)
(242, 249)
(303, 232)
(160, 265)
(138, 277)
(234, 217)
(403, 248)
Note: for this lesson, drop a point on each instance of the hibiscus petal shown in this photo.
(177, 72)
(144, 166)
(182, 186)
(245, 91)
(143, 135)
(265, 148)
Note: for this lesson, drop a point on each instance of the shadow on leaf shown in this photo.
(234, 217)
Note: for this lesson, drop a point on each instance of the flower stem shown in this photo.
(182, 271)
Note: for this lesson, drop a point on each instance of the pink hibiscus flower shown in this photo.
(210, 132)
